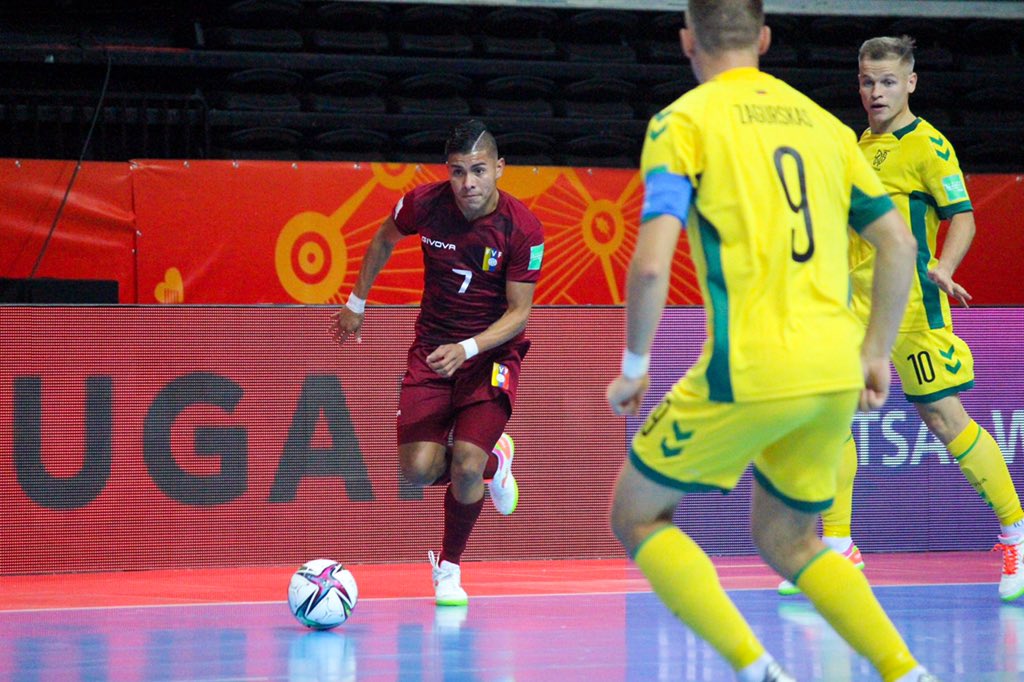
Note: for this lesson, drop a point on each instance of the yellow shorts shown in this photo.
(932, 364)
(795, 444)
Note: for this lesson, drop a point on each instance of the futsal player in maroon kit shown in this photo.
(482, 254)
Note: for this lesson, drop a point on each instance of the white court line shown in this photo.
(425, 598)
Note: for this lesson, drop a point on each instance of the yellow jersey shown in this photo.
(766, 182)
(919, 170)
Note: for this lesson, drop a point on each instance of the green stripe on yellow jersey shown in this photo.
(776, 181)
(919, 170)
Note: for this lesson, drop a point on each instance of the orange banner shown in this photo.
(279, 232)
(95, 235)
(266, 232)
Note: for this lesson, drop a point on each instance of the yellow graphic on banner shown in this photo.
(527, 182)
(312, 252)
(399, 177)
(172, 289)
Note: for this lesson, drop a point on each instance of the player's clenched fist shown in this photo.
(625, 395)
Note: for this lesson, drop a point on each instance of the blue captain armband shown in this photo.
(666, 193)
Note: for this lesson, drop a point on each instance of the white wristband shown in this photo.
(634, 366)
(356, 304)
(469, 345)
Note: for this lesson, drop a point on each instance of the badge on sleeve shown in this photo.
(536, 256)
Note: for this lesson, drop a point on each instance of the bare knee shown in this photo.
(632, 525)
(467, 468)
(421, 463)
(622, 525)
(639, 507)
(945, 418)
(785, 538)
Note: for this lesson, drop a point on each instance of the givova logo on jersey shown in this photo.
(437, 243)
(491, 259)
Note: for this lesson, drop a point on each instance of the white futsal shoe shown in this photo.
(503, 487)
(1011, 584)
(775, 673)
(918, 674)
(447, 582)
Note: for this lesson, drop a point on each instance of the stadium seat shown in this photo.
(833, 41)
(854, 117)
(349, 144)
(350, 27)
(518, 33)
(599, 98)
(600, 36)
(262, 142)
(940, 118)
(788, 35)
(660, 95)
(423, 146)
(998, 105)
(433, 94)
(263, 39)
(258, 25)
(526, 149)
(661, 38)
(435, 30)
(516, 96)
(258, 90)
(348, 91)
(263, 13)
(838, 94)
(986, 44)
(607, 149)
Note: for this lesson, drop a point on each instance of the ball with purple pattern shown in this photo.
(322, 594)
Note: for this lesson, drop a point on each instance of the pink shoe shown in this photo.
(852, 554)
(503, 487)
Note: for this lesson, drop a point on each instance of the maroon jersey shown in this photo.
(466, 264)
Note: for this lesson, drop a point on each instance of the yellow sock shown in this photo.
(836, 520)
(982, 464)
(684, 579)
(842, 595)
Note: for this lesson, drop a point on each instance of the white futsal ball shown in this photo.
(322, 594)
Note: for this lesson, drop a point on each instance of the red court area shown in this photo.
(388, 581)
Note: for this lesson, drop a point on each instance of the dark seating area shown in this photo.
(293, 80)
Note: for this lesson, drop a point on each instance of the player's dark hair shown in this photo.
(889, 47)
(468, 137)
(723, 25)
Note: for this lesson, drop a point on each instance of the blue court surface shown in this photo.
(961, 631)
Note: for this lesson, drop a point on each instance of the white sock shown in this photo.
(1014, 530)
(756, 670)
(914, 675)
(838, 544)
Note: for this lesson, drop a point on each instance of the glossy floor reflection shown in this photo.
(961, 631)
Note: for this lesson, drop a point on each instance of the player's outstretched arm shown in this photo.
(646, 290)
(895, 249)
(954, 248)
(348, 321)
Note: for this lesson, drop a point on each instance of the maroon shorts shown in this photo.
(473, 405)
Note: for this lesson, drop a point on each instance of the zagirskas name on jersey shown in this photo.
(774, 114)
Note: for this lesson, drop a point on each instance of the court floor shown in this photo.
(547, 621)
